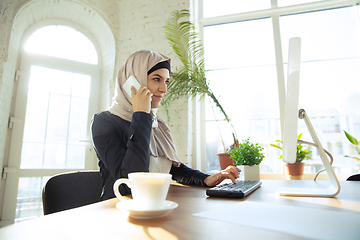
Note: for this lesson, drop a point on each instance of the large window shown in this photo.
(241, 54)
(53, 108)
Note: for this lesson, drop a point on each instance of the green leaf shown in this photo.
(298, 138)
(247, 153)
(351, 138)
(274, 145)
(301, 151)
(356, 158)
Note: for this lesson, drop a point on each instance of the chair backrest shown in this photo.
(355, 177)
(70, 190)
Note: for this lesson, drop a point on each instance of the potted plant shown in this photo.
(189, 80)
(249, 156)
(295, 169)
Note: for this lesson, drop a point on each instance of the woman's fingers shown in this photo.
(229, 175)
(141, 99)
(144, 91)
(233, 171)
(133, 92)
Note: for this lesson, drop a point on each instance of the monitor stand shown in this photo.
(334, 187)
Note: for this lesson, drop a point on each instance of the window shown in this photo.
(212, 8)
(63, 42)
(55, 120)
(29, 199)
(243, 75)
(60, 72)
(245, 61)
(284, 3)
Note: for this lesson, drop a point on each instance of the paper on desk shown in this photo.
(304, 222)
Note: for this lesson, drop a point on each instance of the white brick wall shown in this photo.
(134, 24)
(141, 27)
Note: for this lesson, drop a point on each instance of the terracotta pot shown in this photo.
(225, 160)
(294, 169)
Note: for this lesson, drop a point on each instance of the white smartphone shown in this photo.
(131, 81)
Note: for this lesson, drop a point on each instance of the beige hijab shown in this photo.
(138, 64)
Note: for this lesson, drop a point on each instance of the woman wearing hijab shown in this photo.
(129, 137)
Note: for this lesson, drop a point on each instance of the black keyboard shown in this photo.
(240, 189)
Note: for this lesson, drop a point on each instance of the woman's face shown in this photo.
(157, 82)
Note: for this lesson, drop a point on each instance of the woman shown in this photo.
(129, 137)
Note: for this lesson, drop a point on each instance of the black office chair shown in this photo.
(70, 190)
(355, 177)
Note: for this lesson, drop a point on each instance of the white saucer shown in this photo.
(136, 212)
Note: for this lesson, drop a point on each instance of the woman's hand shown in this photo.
(231, 172)
(141, 100)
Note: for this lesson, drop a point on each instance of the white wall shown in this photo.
(134, 25)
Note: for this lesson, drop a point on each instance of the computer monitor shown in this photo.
(290, 127)
(292, 102)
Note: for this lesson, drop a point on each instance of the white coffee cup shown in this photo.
(149, 190)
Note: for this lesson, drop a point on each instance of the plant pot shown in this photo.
(225, 160)
(251, 173)
(294, 171)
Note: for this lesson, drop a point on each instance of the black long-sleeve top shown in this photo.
(122, 147)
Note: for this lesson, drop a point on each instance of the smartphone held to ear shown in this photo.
(131, 81)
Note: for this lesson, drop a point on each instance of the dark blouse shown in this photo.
(122, 147)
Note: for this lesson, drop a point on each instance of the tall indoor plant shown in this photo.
(189, 80)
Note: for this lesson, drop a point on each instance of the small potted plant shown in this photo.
(295, 169)
(248, 155)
